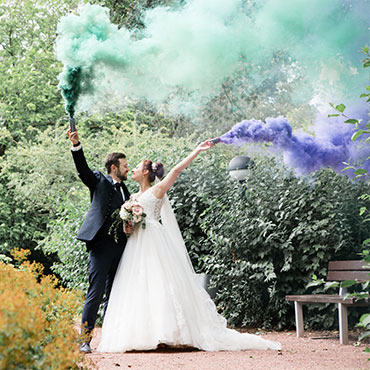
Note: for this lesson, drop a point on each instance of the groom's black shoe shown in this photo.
(85, 347)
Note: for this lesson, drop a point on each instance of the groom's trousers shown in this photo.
(104, 257)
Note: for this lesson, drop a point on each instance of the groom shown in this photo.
(107, 193)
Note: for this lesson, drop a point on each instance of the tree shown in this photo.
(28, 70)
(129, 13)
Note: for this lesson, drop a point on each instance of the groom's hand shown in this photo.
(73, 136)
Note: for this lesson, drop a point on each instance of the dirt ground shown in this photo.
(315, 351)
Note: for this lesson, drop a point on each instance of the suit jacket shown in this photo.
(103, 196)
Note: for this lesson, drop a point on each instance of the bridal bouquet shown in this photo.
(131, 212)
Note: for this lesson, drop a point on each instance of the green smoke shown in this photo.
(184, 55)
(70, 85)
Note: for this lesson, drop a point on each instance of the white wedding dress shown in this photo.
(156, 297)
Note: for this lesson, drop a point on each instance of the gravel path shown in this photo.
(316, 351)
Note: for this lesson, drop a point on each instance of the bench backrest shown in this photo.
(348, 270)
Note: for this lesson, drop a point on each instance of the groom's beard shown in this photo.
(122, 176)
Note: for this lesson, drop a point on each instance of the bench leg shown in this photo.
(299, 318)
(343, 323)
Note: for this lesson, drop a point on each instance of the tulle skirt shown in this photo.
(156, 298)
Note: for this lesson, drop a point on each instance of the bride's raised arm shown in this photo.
(161, 188)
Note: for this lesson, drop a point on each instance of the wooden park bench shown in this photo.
(337, 271)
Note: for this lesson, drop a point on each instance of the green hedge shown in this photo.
(270, 243)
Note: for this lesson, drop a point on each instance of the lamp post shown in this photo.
(238, 170)
(239, 167)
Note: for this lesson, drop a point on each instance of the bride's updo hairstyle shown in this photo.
(155, 169)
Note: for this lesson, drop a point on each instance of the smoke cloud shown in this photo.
(330, 147)
(183, 55)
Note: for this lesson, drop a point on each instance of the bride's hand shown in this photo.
(127, 228)
(205, 145)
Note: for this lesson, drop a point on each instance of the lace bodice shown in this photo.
(152, 205)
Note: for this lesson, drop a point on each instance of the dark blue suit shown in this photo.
(104, 252)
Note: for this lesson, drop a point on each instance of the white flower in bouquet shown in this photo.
(127, 205)
(136, 219)
(124, 214)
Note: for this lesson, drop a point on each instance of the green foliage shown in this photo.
(28, 69)
(72, 262)
(361, 127)
(130, 12)
(32, 189)
(270, 244)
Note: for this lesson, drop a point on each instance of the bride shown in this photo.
(156, 298)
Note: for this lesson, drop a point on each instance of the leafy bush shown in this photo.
(33, 186)
(71, 266)
(271, 243)
(36, 319)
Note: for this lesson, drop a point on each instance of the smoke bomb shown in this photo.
(72, 124)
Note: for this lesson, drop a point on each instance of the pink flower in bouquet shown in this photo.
(137, 210)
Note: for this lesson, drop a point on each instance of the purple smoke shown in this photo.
(330, 147)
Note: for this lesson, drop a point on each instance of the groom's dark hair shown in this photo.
(112, 158)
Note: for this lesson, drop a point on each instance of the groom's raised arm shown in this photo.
(84, 173)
